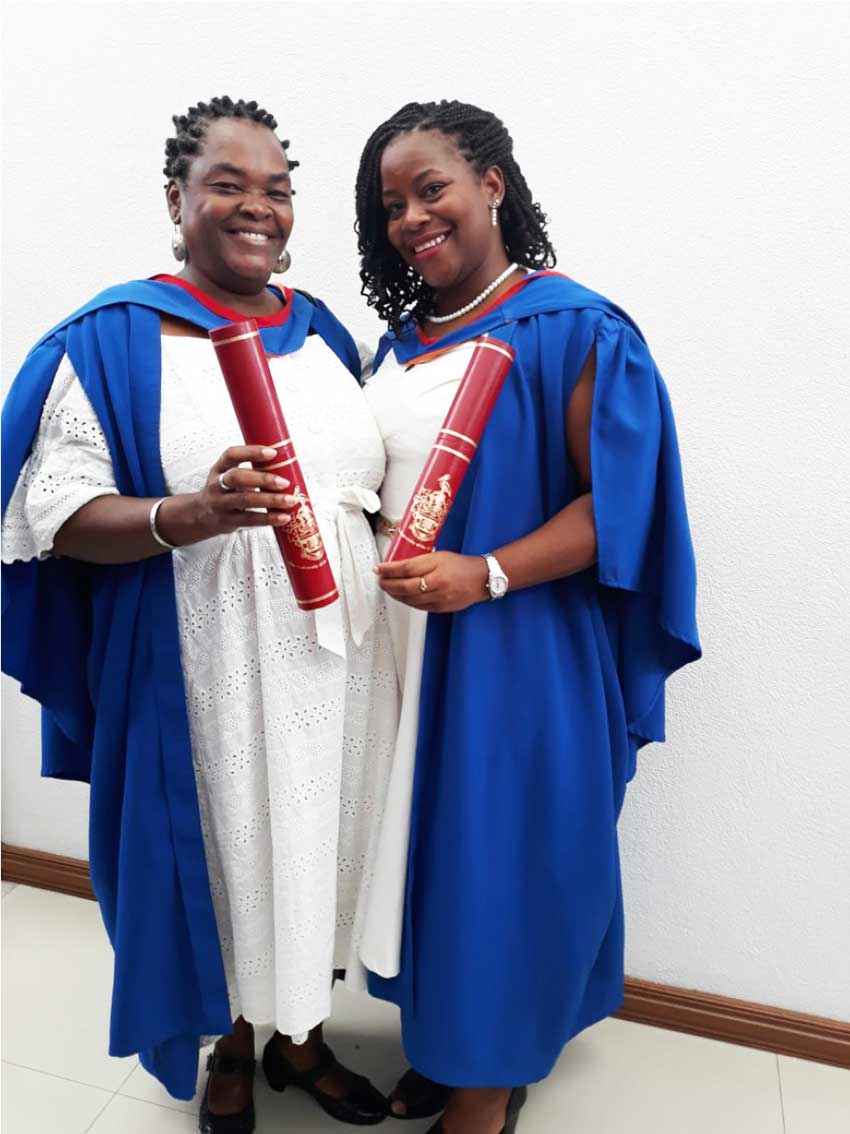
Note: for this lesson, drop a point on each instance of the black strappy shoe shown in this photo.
(515, 1104)
(422, 1097)
(363, 1105)
(241, 1123)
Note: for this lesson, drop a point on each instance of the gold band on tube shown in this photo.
(453, 452)
(237, 338)
(492, 346)
(307, 603)
(462, 436)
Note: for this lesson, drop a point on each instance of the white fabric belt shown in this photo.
(346, 513)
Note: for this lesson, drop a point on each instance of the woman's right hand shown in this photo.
(228, 499)
(117, 529)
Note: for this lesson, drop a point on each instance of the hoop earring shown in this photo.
(178, 244)
(283, 263)
(494, 213)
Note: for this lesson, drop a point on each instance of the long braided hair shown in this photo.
(393, 287)
(191, 127)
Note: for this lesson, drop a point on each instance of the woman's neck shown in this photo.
(457, 295)
(454, 299)
(262, 302)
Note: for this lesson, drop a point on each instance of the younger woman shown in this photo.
(534, 645)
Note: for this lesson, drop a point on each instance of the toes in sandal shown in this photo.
(422, 1097)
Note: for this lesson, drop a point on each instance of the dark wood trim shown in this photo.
(737, 1021)
(47, 871)
(659, 1005)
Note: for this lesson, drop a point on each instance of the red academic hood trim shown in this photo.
(275, 320)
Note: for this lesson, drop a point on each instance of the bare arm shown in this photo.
(566, 543)
(562, 546)
(116, 529)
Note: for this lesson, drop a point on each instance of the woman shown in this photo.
(533, 645)
(237, 747)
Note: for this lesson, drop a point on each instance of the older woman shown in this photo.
(237, 746)
(534, 644)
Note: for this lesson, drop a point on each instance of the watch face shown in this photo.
(498, 586)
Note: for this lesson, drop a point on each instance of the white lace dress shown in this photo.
(292, 740)
(409, 406)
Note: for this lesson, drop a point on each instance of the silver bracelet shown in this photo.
(154, 532)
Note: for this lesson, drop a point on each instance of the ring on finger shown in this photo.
(423, 586)
(222, 483)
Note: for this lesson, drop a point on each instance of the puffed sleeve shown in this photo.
(69, 465)
(645, 557)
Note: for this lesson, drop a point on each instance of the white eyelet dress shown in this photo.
(409, 406)
(292, 714)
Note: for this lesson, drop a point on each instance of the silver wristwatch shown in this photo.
(497, 582)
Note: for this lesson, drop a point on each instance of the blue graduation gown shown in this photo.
(532, 708)
(98, 647)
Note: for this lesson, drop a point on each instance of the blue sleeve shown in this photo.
(45, 604)
(98, 647)
(22, 409)
(645, 556)
(326, 324)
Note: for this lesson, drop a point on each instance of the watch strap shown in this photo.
(494, 569)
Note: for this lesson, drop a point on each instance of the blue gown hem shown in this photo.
(515, 1076)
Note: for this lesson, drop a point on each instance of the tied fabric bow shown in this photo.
(357, 587)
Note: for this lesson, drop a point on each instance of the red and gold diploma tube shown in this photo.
(453, 449)
(249, 382)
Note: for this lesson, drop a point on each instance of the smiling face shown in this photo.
(235, 207)
(438, 214)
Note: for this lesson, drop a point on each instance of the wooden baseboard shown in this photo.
(46, 871)
(659, 1005)
(737, 1021)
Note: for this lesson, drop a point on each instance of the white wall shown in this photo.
(693, 160)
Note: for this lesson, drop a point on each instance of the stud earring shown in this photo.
(282, 263)
(178, 244)
(494, 213)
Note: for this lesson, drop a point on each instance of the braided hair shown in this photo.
(191, 127)
(393, 287)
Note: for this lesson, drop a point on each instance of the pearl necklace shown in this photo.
(478, 299)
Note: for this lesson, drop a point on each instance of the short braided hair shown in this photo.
(393, 287)
(191, 127)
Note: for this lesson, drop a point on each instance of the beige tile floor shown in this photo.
(617, 1077)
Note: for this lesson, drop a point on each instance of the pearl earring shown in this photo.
(494, 213)
(282, 263)
(178, 244)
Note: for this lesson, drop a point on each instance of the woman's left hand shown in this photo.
(440, 582)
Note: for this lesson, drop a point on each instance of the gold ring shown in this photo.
(423, 586)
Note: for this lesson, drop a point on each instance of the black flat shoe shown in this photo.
(240, 1123)
(422, 1097)
(363, 1105)
(515, 1104)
